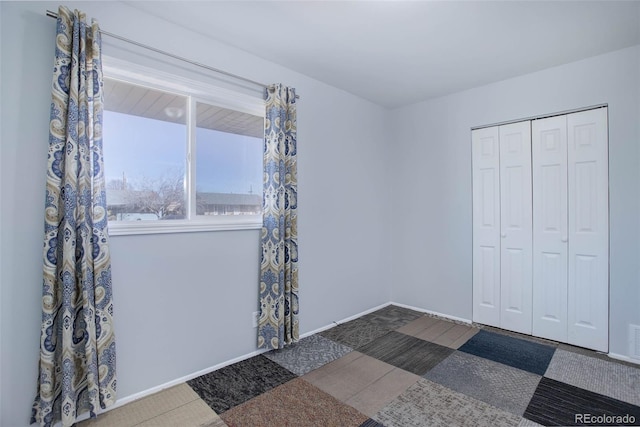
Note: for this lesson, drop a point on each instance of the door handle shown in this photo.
(503, 235)
(564, 239)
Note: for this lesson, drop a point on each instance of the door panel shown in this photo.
(486, 226)
(553, 296)
(489, 258)
(588, 275)
(549, 160)
(514, 274)
(515, 217)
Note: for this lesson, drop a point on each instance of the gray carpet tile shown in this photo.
(355, 333)
(406, 352)
(365, 329)
(235, 384)
(606, 377)
(499, 385)
(592, 353)
(596, 354)
(558, 404)
(430, 404)
(308, 354)
(392, 317)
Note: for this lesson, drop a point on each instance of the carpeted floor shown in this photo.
(398, 367)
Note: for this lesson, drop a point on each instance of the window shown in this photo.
(180, 155)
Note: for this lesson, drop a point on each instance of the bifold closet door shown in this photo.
(485, 157)
(516, 227)
(501, 157)
(588, 183)
(571, 229)
(550, 222)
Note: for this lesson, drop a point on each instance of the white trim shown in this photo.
(190, 175)
(544, 116)
(222, 222)
(623, 358)
(371, 310)
(435, 313)
(177, 381)
(336, 323)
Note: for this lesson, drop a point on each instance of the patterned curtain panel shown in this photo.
(278, 323)
(77, 345)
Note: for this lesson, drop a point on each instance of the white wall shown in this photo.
(184, 301)
(432, 162)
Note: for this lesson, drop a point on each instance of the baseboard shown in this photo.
(156, 389)
(188, 377)
(623, 358)
(338, 322)
(434, 313)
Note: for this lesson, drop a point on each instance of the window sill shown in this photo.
(126, 228)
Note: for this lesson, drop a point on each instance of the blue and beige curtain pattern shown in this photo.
(278, 322)
(77, 344)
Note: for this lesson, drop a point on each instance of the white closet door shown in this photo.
(588, 278)
(516, 227)
(486, 226)
(549, 160)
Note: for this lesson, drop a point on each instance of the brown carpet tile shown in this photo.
(297, 404)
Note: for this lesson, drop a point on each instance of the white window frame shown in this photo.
(195, 91)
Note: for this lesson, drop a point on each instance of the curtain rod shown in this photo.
(54, 15)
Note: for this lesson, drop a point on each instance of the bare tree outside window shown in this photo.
(152, 198)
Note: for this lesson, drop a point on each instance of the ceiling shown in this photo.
(396, 53)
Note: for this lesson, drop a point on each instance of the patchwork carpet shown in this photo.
(397, 367)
